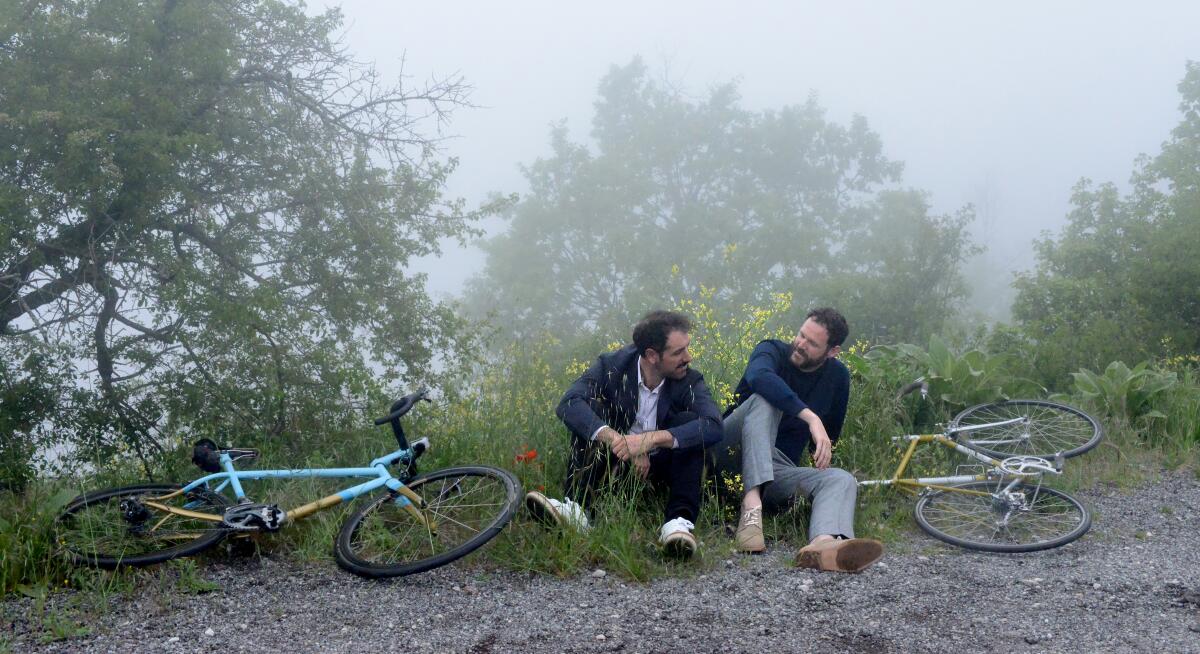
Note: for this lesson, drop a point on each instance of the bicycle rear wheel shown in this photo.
(114, 527)
(978, 516)
(467, 507)
(1047, 429)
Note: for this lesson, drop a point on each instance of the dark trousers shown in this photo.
(592, 466)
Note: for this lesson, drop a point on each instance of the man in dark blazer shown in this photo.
(639, 410)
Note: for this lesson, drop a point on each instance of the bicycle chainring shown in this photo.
(253, 517)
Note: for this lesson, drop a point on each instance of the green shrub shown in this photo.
(28, 555)
(1124, 393)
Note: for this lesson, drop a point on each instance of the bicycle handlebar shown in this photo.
(920, 383)
(404, 405)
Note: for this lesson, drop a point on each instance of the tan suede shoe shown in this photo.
(749, 534)
(851, 555)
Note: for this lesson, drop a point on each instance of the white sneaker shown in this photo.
(676, 538)
(550, 511)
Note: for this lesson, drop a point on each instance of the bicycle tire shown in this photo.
(94, 530)
(972, 521)
(381, 539)
(1053, 428)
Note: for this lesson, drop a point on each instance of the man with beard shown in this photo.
(792, 398)
(640, 410)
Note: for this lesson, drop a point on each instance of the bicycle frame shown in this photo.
(948, 483)
(232, 478)
(913, 483)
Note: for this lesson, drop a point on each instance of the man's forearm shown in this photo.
(626, 445)
(660, 439)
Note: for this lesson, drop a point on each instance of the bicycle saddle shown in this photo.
(207, 455)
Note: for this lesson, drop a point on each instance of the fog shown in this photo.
(1004, 107)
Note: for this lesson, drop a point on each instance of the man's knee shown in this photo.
(756, 417)
(757, 403)
(840, 480)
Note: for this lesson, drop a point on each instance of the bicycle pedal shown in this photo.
(253, 517)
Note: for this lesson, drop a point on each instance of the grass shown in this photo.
(505, 418)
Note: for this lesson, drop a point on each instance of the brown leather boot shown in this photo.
(749, 534)
(850, 555)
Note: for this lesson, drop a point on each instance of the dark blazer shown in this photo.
(607, 394)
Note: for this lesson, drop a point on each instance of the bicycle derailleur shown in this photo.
(253, 517)
(135, 515)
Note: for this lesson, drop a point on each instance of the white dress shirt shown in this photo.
(647, 409)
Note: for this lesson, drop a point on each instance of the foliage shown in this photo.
(1180, 428)
(1123, 275)
(676, 196)
(723, 341)
(27, 551)
(215, 202)
(1128, 394)
(955, 381)
(30, 387)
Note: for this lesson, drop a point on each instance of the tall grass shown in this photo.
(503, 414)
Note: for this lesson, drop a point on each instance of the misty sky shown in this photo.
(1004, 107)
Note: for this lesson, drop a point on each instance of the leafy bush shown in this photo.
(1121, 392)
(955, 380)
(30, 391)
(29, 553)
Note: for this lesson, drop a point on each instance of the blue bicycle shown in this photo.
(418, 522)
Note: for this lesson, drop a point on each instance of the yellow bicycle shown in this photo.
(1005, 507)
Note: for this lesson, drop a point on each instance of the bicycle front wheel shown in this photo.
(1034, 428)
(979, 515)
(464, 508)
(118, 526)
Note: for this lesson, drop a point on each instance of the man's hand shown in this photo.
(641, 465)
(824, 447)
(632, 445)
(626, 447)
(607, 435)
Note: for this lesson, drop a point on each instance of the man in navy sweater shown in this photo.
(792, 398)
(639, 410)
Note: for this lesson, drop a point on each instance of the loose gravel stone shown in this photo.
(1111, 591)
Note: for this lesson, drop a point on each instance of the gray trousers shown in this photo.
(749, 448)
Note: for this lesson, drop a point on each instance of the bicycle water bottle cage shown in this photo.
(970, 469)
(253, 517)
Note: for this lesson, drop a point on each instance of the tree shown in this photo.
(214, 203)
(674, 195)
(31, 383)
(1122, 280)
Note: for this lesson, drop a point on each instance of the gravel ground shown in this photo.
(1131, 585)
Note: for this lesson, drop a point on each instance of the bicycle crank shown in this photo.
(253, 517)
